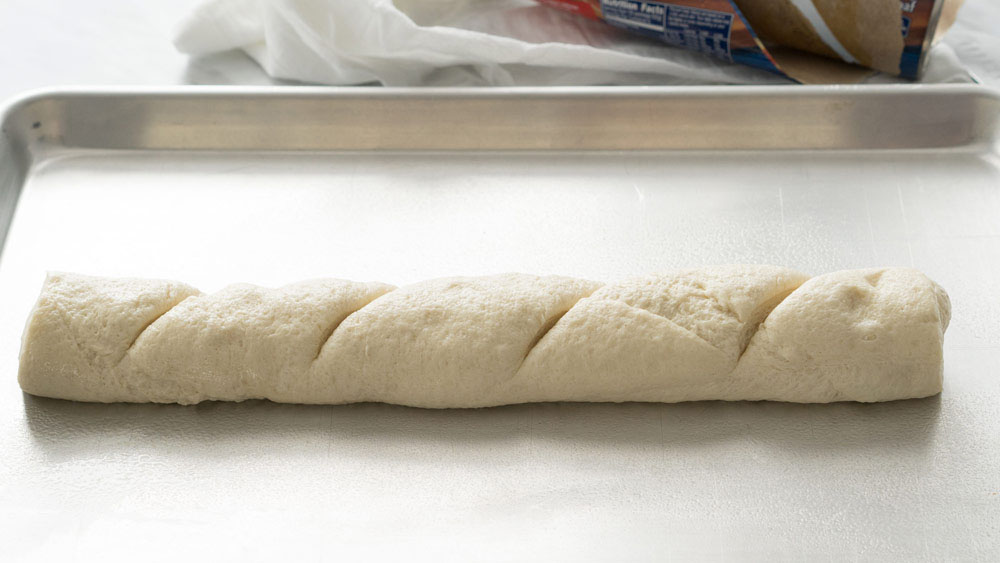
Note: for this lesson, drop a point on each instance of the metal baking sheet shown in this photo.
(269, 186)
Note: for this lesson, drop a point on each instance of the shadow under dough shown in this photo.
(61, 427)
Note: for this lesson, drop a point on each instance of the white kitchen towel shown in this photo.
(462, 43)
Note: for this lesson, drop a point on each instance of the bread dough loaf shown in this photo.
(727, 332)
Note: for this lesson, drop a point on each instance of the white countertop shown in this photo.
(59, 42)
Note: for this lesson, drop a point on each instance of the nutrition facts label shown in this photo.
(692, 28)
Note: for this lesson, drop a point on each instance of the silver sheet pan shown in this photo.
(270, 186)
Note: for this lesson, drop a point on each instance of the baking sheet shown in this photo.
(276, 185)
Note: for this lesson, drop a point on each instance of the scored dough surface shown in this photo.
(724, 332)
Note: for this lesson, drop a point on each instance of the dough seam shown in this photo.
(546, 328)
(329, 335)
(147, 326)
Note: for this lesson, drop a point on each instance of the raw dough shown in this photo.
(728, 332)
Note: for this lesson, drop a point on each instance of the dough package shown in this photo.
(781, 36)
(726, 332)
(866, 32)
